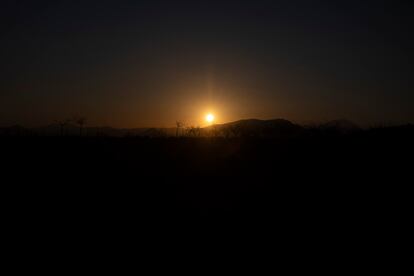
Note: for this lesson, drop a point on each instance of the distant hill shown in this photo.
(256, 127)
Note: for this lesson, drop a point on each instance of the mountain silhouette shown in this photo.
(256, 127)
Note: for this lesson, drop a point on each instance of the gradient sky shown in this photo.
(150, 63)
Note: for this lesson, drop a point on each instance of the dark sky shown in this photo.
(149, 63)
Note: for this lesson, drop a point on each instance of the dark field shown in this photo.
(362, 175)
(321, 192)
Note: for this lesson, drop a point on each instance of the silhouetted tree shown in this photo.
(194, 131)
(188, 131)
(62, 124)
(179, 125)
(80, 121)
(197, 131)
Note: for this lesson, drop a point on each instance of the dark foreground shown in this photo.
(366, 174)
(314, 192)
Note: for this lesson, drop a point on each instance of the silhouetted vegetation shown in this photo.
(179, 126)
(312, 170)
(62, 124)
(80, 121)
(193, 131)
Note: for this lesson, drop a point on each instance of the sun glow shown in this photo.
(210, 118)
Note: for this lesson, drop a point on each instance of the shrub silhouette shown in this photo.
(179, 125)
(62, 124)
(81, 122)
(193, 131)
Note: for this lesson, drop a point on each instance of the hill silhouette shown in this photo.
(257, 128)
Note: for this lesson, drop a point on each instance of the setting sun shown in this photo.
(210, 118)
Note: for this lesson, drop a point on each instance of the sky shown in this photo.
(150, 63)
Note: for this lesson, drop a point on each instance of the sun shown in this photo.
(210, 118)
